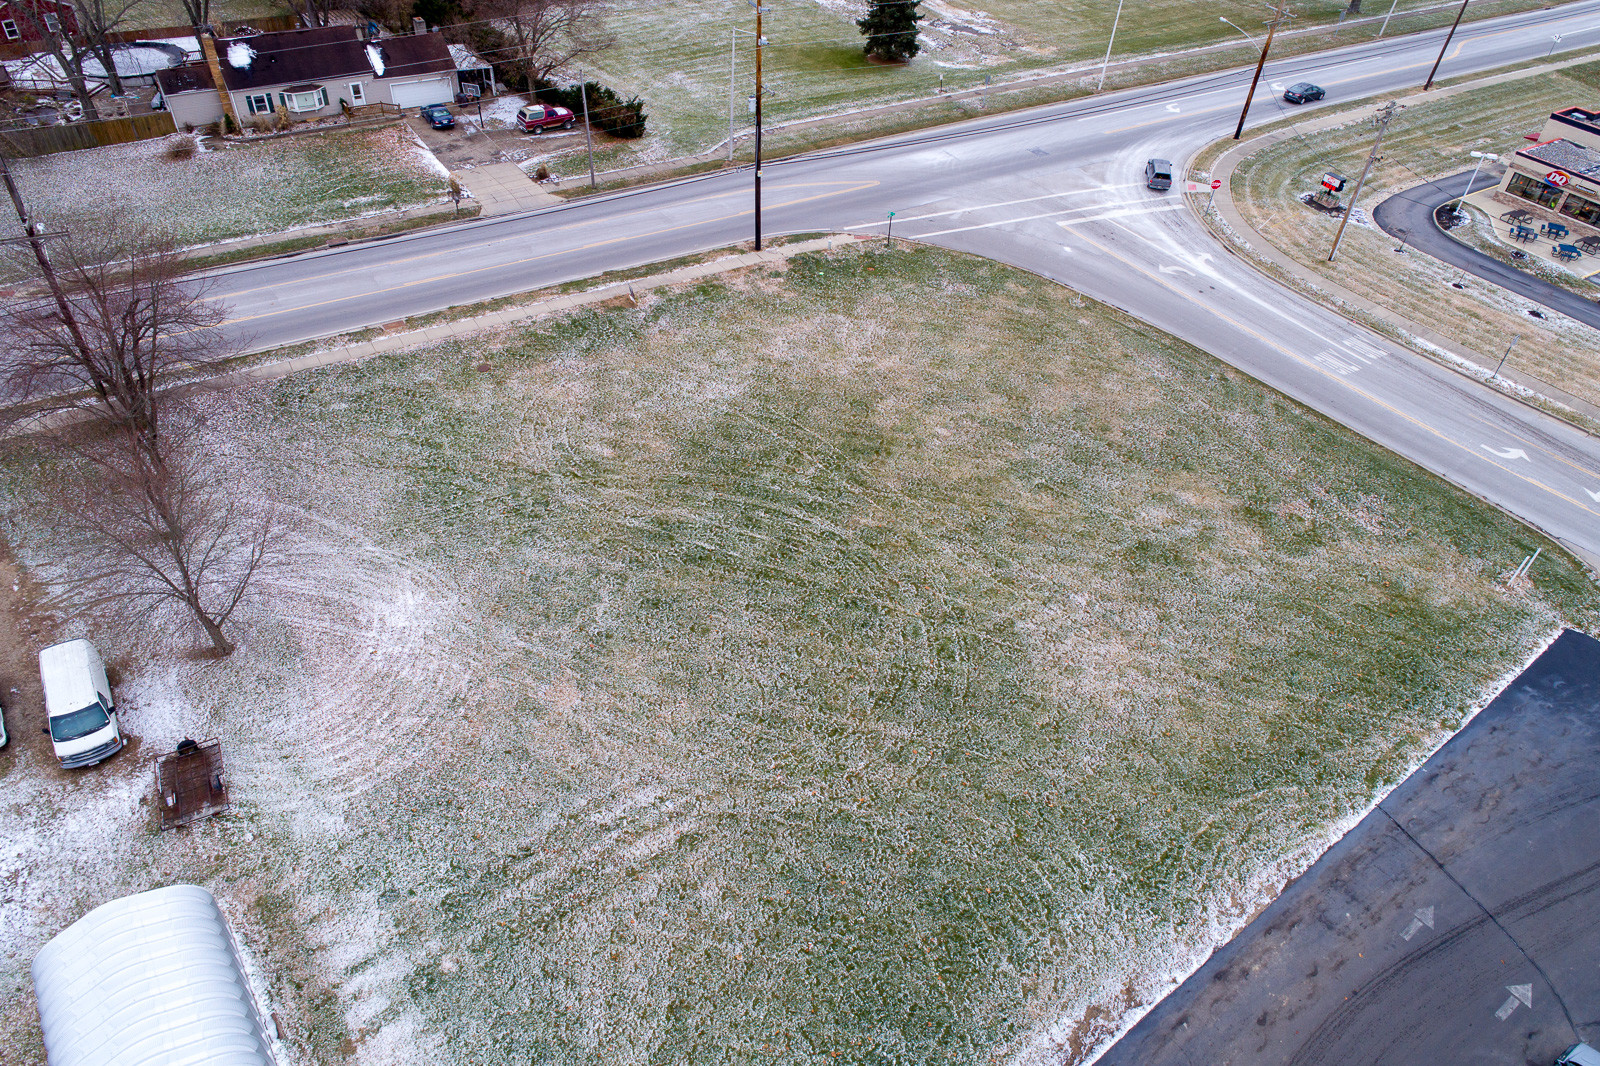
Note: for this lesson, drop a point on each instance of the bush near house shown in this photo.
(608, 112)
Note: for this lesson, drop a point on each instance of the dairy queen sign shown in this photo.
(1556, 178)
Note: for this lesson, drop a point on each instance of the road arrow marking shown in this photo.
(1424, 918)
(1595, 496)
(1175, 270)
(1173, 108)
(1519, 994)
(1507, 453)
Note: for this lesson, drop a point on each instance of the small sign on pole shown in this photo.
(890, 240)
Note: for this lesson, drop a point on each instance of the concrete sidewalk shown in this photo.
(504, 189)
(1228, 212)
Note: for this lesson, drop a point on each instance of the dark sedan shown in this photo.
(439, 117)
(1303, 92)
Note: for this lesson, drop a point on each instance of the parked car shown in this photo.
(1158, 175)
(468, 93)
(1303, 92)
(536, 118)
(439, 117)
(77, 700)
(1579, 1055)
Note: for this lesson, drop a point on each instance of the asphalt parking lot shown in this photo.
(1458, 923)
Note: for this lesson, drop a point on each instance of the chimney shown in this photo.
(208, 48)
(418, 24)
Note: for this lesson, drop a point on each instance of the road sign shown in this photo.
(1556, 178)
(1216, 183)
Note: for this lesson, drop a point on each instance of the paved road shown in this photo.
(1055, 190)
(1409, 214)
(1455, 924)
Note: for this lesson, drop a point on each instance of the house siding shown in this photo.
(195, 109)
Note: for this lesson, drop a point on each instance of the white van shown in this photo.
(83, 720)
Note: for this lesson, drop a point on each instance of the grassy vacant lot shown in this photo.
(237, 190)
(772, 673)
(676, 55)
(1427, 140)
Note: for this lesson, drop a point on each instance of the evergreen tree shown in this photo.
(890, 27)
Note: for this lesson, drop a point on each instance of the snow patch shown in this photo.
(375, 57)
(240, 55)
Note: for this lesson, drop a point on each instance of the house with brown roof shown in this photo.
(307, 74)
(1559, 176)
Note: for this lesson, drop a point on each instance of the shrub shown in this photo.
(182, 147)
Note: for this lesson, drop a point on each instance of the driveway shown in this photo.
(1409, 215)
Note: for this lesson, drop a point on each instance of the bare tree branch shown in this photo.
(546, 35)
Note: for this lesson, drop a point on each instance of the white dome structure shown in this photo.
(149, 980)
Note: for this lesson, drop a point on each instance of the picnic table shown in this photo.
(1554, 229)
(1566, 251)
(1590, 245)
(1523, 234)
(1517, 217)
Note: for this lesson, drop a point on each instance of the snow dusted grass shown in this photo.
(235, 190)
(767, 673)
(1427, 140)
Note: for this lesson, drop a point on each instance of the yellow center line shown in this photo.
(506, 265)
(1476, 453)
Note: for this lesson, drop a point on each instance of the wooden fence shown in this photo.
(47, 140)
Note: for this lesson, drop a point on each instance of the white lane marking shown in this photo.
(903, 219)
(1595, 496)
(1334, 363)
(1173, 108)
(1363, 350)
(1519, 993)
(1175, 270)
(1424, 917)
(1506, 453)
(1277, 86)
(1121, 214)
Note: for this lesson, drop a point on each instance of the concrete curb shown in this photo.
(510, 316)
(1257, 243)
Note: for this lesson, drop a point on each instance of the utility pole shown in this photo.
(733, 53)
(36, 240)
(1462, 11)
(1385, 114)
(1272, 27)
(760, 43)
(588, 131)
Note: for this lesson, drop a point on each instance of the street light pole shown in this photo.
(1480, 157)
(1384, 116)
(1462, 11)
(1387, 17)
(1272, 27)
(588, 131)
(1101, 83)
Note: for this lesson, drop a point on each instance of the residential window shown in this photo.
(1533, 189)
(314, 100)
(259, 104)
(1581, 209)
(358, 93)
(52, 21)
(12, 32)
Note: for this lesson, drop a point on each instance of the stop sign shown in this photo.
(1556, 178)
(1216, 183)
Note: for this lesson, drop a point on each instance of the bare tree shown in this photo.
(69, 51)
(311, 12)
(98, 367)
(122, 321)
(545, 36)
(97, 21)
(136, 532)
(198, 13)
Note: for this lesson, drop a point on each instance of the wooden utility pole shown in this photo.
(1462, 11)
(760, 43)
(1382, 118)
(1272, 27)
(36, 240)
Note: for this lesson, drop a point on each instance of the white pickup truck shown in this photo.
(1579, 1055)
(77, 699)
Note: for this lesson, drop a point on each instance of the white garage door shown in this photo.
(421, 93)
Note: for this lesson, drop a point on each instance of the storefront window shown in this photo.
(1533, 189)
(1582, 210)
